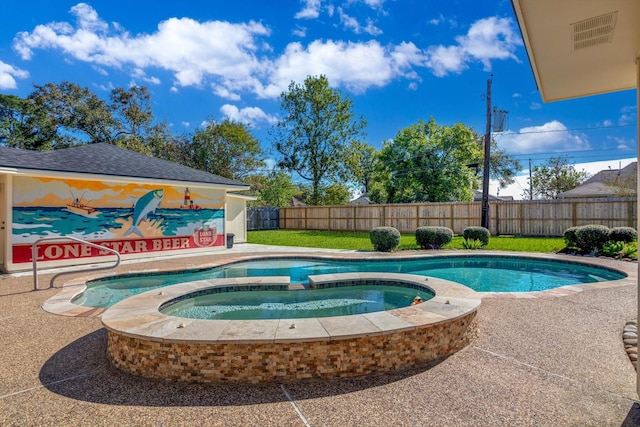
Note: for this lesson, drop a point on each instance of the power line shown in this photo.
(572, 129)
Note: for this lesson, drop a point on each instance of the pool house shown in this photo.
(121, 200)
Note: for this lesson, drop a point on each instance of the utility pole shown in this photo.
(530, 182)
(484, 222)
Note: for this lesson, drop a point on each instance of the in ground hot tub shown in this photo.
(144, 341)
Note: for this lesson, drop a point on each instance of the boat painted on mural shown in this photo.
(79, 208)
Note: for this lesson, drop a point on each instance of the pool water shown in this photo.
(336, 301)
(480, 273)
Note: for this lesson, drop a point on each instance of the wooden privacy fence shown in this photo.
(266, 218)
(518, 217)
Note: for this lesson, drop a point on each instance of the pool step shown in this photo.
(296, 286)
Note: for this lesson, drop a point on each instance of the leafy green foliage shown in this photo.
(570, 238)
(430, 237)
(427, 162)
(554, 178)
(623, 234)
(362, 160)
(620, 249)
(472, 244)
(276, 189)
(78, 114)
(315, 133)
(227, 149)
(477, 233)
(591, 237)
(384, 239)
(25, 124)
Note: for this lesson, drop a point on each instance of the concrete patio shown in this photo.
(549, 361)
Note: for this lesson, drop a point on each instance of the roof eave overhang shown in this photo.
(561, 70)
(116, 178)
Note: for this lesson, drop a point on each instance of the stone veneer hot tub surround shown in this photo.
(145, 342)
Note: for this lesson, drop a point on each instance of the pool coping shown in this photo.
(139, 316)
(61, 303)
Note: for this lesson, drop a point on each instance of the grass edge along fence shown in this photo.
(543, 218)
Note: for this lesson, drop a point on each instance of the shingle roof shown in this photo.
(603, 183)
(107, 159)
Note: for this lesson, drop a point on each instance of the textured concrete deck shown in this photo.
(548, 361)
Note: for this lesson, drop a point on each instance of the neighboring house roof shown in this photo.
(477, 197)
(107, 159)
(606, 183)
(297, 202)
(363, 200)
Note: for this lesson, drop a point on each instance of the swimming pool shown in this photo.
(481, 273)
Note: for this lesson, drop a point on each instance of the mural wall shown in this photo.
(130, 218)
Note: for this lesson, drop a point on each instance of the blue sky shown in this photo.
(398, 60)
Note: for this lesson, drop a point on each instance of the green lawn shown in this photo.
(360, 241)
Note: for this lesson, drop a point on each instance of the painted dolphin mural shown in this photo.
(144, 206)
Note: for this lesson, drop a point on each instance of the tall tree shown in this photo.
(276, 190)
(24, 124)
(551, 179)
(317, 128)
(227, 149)
(133, 118)
(427, 163)
(78, 114)
(361, 160)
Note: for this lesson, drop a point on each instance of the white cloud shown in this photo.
(235, 58)
(607, 123)
(622, 143)
(9, 74)
(299, 31)
(548, 138)
(342, 63)
(185, 124)
(88, 19)
(139, 73)
(225, 93)
(311, 9)
(535, 106)
(436, 21)
(487, 39)
(192, 50)
(628, 116)
(250, 115)
(374, 4)
(352, 24)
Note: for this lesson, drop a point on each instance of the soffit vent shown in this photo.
(594, 31)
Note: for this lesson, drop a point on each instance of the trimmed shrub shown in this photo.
(570, 238)
(623, 234)
(384, 239)
(592, 237)
(477, 233)
(433, 237)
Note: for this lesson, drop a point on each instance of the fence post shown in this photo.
(355, 212)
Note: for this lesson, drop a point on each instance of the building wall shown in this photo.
(237, 218)
(132, 218)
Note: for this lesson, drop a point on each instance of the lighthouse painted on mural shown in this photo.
(187, 197)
